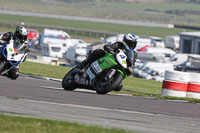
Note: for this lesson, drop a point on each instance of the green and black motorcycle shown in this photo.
(103, 75)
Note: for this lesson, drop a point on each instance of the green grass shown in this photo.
(5, 29)
(14, 124)
(143, 86)
(117, 28)
(115, 10)
(31, 68)
(136, 6)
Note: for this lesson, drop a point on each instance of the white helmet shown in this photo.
(130, 40)
(21, 34)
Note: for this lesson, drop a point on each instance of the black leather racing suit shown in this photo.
(114, 48)
(6, 37)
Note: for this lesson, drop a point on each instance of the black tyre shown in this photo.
(105, 86)
(68, 82)
(13, 74)
(119, 87)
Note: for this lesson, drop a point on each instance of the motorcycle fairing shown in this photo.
(121, 59)
(102, 64)
(11, 54)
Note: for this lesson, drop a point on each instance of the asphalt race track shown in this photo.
(46, 99)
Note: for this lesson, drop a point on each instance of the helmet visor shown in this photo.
(131, 44)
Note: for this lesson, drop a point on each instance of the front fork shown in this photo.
(110, 74)
(4, 67)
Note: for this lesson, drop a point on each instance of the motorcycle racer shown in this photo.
(104, 71)
(129, 39)
(20, 35)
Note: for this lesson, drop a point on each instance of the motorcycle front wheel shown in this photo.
(104, 86)
(68, 82)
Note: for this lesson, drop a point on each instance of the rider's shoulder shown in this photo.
(117, 43)
(8, 34)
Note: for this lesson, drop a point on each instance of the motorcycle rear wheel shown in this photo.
(105, 86)
(68, 82)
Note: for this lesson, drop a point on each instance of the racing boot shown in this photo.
(84, 63)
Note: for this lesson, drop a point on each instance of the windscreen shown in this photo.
(130, 56)
(18, 47)
(129, 53)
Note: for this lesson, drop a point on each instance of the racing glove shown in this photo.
(26, 46)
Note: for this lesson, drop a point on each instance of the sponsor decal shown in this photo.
(108, 61)
(101, 61)
(122, 56)
(96, 67)
(123, 61)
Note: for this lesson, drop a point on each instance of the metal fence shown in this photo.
(73, 31)
(187, 27)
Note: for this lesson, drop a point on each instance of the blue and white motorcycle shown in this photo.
(11, 56)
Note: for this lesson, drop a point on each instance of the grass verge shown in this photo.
(160, 12)
(16, 124)
(106, 27)
(133, 86)
(31, 68)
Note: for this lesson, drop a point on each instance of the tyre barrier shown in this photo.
(175, 83)
(177, 76)
(193, 90)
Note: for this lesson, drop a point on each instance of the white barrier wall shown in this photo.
(175, 83)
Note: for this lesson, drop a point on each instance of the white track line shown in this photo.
(89, 107)
(81, 90)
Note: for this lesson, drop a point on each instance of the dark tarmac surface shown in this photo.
(46, 99)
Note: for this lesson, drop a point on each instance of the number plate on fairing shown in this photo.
(96, 67)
